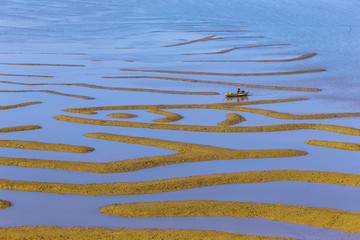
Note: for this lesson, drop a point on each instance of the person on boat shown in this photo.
(238, 90)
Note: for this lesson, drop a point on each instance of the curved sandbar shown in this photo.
(337, 145)
(314, 216)
(186, 152)
(235, 48)
(221, 83)
(302, 57)
(229, 74)
(169, 116)
(177, 184)
(122, 115)
(19, 128)
(44, 146)
(198, 128)
(18, 105)
(102, 87)
(48, 91)
(233, 118)
(76, 233)
(4, 204)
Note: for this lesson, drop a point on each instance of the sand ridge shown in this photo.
(337, 145)
(235, 48)
(19, 128)
(32, 145)
(103, 88)
(220, 83)
(19, 105)
(302, 57)
(232, 119)
(209, 38)
(228, 74)
(185, 152)
(43, 64)
(177, 184)
(48, 91)
(314, 216)
(122, 115)
(4, 204)
(24, 75)
(97, 233)
(169, 116)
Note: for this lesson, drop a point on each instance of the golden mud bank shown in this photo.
(103, 88)
(313, 216)
(18, 105)
(228, 74)
(169, 116)
(76, 233)
(198, 128)
(233, 118)
(338, 145)
(4, 204)
(177, 184)
(44, 146)
(186, 152)
(235, 48)
(48, 91)
(221, 83)
(302, 57)
(19, 128)
(122, 115)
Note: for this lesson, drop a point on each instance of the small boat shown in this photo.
(240, 94)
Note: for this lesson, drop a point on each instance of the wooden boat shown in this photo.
(240, 94)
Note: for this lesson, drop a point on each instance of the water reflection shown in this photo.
(238, 99)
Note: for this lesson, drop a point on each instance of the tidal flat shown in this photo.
(115, 124)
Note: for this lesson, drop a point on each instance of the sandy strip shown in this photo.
(302, 57)
(4, 204)
(314, 216)
(19, 128)
(337, 145)
(18, 105)
(169, 116)
(229, 74)
(110, 88)
(235, 48)
(221, 83)
(122, 115)
(75, 54)
(281, 115)
(42, 64)
(233, 118)
(48, 91)
(77, 233)
(44, 146)
(22, 75)
(177, 184)
(224, 106)
(199, 128)
(186, 152)
(209, 38)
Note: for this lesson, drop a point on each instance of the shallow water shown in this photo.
(109, 36)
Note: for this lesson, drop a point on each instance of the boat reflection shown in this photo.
(238, 99)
